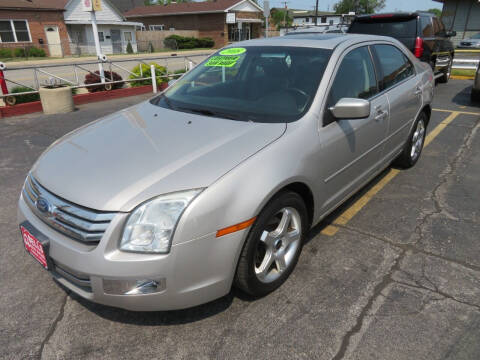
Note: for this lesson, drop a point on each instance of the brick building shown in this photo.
(222, 20)
(39, 23)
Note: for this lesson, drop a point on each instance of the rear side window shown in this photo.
(426, 26)
(394, 65)
(438, 27)
(397, 28)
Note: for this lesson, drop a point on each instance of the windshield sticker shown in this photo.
(233, 51)
(226, 61)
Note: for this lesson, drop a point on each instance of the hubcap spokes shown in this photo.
(417, 140)
(277, 248)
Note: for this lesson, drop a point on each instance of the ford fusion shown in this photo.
(215, 182)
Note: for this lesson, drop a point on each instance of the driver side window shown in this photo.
(355, 78)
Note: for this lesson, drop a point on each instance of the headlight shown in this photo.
(150, 227)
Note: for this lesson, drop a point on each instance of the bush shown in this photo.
(36, 52)
(20, 99)
(182, 42)
(150, 47)
(178, 73)
(5, 53)
(159, 71)
(206, 42)
(95, 78)
(129, 48)
(19, 52)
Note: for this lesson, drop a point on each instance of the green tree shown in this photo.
(358, 6)
(281, 18)
(436, 12)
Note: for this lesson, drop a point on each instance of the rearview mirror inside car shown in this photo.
(351, 108)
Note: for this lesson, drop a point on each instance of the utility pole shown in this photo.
(285, 15)
(316, 13)
(97, 45)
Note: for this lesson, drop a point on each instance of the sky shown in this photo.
(390, 5)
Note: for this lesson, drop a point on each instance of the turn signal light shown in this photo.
(234, 228)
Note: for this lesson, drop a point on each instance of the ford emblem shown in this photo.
(42, 205)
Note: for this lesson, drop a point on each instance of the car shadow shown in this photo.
(462, 98)
(201, 312)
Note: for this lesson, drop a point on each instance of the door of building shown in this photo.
(116, 41)
(53, 40)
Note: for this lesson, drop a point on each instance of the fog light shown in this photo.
(133, 287)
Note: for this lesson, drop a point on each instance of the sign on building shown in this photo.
(231, 18)
(92, 5)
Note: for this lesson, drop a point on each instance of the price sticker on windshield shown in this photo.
(226, 61)
(233, 51)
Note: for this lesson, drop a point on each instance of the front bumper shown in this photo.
(194, 272)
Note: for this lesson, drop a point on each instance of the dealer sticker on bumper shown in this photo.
(34, 247)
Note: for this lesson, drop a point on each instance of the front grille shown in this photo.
(79, 279)
(77, 222)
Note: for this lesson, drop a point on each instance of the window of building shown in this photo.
(323, 19)
(307, 19)
(101, 36)
(14, 31)
(156, 27)
(128, 36)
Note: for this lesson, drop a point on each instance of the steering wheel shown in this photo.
(305, 97)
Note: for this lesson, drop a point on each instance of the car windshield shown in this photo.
(394, 27)
(259, 84)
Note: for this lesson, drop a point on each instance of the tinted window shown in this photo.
(355, 78)
(397, 28)
(426, 26)
(394, 65)
(260, 84)
(438, 27)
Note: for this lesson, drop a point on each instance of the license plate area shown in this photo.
(36, 244)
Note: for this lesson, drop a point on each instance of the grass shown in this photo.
(463, 72)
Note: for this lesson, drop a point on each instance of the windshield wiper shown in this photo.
(207, 112)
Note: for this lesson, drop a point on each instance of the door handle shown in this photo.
(380, 115)
(418, 91)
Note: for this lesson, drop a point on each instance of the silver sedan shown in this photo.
(216, 181)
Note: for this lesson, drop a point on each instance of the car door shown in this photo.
(351, 148)
(403, 89)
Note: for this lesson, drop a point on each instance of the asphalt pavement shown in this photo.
(393, 274)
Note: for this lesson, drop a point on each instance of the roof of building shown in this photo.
(33, 4)
(309, 13)
(186, 8)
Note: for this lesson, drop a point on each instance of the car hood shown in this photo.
(144, 151)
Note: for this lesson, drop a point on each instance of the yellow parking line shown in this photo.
(459, 112)
(353, 209)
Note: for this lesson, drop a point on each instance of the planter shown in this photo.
(56, 100)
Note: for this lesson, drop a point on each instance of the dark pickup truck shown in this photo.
(423, 33)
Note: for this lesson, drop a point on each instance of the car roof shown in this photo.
(394, 15)
(315, 40)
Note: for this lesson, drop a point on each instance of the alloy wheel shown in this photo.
(417, 140)
(278, 244)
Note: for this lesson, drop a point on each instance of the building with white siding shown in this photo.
(114, 31)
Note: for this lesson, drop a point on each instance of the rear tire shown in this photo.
(475, 95)
(273, 245)
(413, 147)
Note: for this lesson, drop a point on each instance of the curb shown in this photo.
(36, 106)
(461, 77)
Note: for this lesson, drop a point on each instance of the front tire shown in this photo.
(273, 245)
(413, 147)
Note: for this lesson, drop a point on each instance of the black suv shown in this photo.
(423, 33)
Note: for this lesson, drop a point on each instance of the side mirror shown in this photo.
(350, 108)
(451, 33)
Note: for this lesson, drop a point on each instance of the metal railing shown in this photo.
(465, 64)
(77, 70)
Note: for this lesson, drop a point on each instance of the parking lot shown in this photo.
(393, 274)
